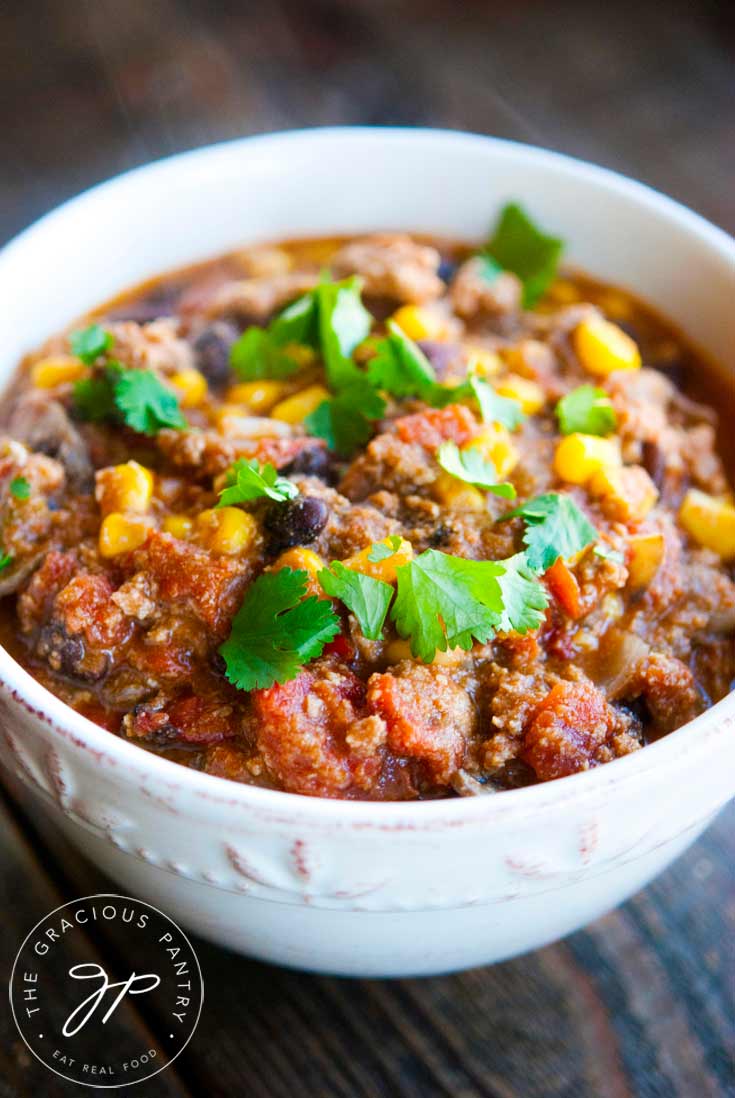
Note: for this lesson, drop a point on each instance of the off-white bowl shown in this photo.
(376, 889)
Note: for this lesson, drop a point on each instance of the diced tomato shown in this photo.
(569, 726)
(563, 585)
(454, 423)
(428, 716)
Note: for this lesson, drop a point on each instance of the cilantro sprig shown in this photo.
(137, 397)
(555, 527)
(401, 368)
(20, 488)
(345, 420)
(586, 409)
(518, 245)
(5, 559)
(90, 343)
(366, 597)
(447, 602)
(248, 480)
(330, 319)
(472, 468)
(276, 631)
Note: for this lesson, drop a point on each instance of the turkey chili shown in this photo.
(378, 518)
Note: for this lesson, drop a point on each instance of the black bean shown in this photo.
(446, 358)
(212, 349)
(295, 523)
(653, 460)
(66, 652)
(312, 461)
(447, 267)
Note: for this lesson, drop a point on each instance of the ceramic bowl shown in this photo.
(358, 888)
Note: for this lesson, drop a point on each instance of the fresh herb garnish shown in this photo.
(91, 342)
(5, 560)
(256, 355)
(400, 367)
(137, 397)
(587, 410)
(518, 245)
(495, 408)
(20, 488)
(330, 319)
(380, 551)
(447, 602)
(247, 480)
(471, 467)
(367, 598)
(345, 421)
(606, 553)
(276, 631)
(555, 527)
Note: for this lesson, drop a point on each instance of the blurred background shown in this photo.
(640, 1003)
(92, 87)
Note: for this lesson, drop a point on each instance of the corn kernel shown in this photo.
(382, 569)
(296, 408)
(529, 394)
(121, 534)
(496, 446)
(578, 457)
(710, 521)
(563, 292)
(127, 487)
(603, 347)
(306, 560)
(190, 386)
(482, 362)
(180, 526)
(258, 396)
(628, 491)
(227, 530)
(646, 555)
(457, 495)
(419, 323)
(300, 558)
(47, 373)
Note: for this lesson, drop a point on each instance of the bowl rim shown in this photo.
(140, 765)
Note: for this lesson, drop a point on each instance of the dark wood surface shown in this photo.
(639, 1004)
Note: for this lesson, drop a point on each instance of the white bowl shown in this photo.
(358, 888)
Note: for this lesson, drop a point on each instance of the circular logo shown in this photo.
(76, 1009)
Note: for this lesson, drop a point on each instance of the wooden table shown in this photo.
(640, 1004)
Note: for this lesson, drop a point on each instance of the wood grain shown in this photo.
(640, 1004)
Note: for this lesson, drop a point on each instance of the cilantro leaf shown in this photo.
(20, 488)
(247, 480)
(588, 410)
(444, 602)
(524, 599)
(344, 323)
(367, 598)
(276, 631)
(297, 323)
(555, 527)
(495, 408)
(471, 467)
(138, 397)
(94, 399)
(400, 367)
(145, 403)
(256, 355)
(345, 420)
(518, 245)
(380, 551)
(607, 553)
(91, 342)
(5, 560)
